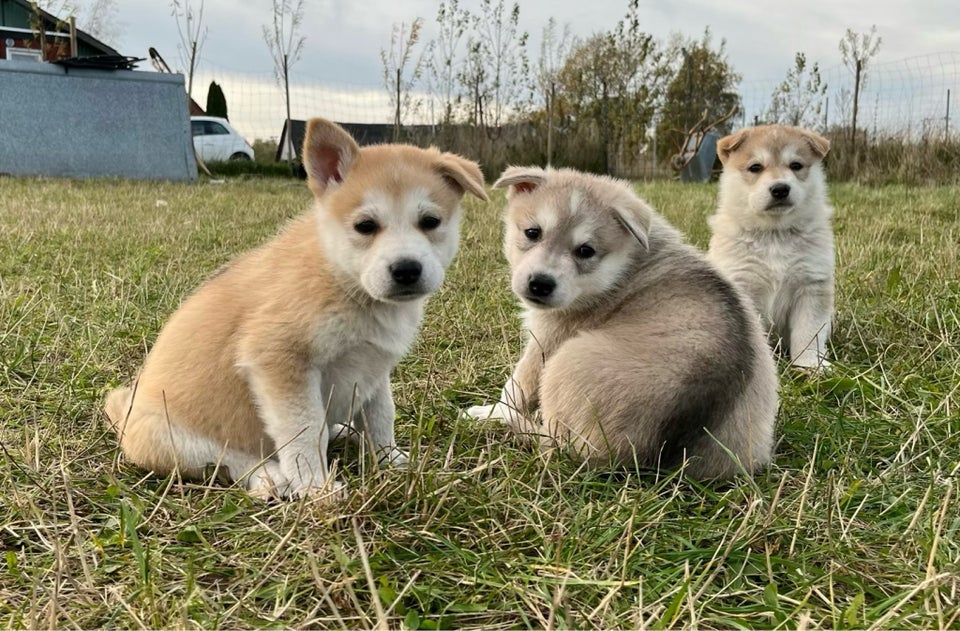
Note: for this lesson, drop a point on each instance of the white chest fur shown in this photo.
(355, 352)
(782, 257)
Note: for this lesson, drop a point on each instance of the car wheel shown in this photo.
(238, 156)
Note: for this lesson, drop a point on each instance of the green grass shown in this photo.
(854, 526)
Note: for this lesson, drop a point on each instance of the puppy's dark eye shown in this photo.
(367, 226)
(532, 233)
(429, 222)
(756, 167)
(584, 252)
(795, 166)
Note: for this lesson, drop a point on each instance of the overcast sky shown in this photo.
(340, 73)
(344, 37)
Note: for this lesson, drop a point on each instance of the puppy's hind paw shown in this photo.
(395, 457)
(343, 431)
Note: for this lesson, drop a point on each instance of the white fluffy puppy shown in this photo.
(772, 234)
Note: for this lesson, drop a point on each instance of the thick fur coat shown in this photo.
(295, 340)
(772, 234)
(640, 353)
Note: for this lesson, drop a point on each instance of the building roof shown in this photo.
(52, 22)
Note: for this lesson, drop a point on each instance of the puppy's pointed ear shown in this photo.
(464, 174)
(635, 216)
(818, 144)
(729, 144)
(520, 180)
(328, 154)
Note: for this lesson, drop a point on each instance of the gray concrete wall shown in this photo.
(80, 122)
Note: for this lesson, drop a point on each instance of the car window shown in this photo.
(216, 129)
(196, 128)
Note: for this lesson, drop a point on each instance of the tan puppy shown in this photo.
(257, 367)
(640, 352)
(772, 234)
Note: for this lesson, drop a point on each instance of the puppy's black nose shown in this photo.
(541, 285)
(406, 271)
(780, 191)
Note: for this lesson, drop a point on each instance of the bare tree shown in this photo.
(192, 35)
(395, 63)
(473, 80)
(99, 18)
(442, 55)
(96, 17)
(799, 100)
(857, 49)
(504, 49)
(59, 8)
(554, 48)
(495, 69)
(286, 45)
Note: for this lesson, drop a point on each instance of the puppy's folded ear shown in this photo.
(635, 216)
(818, 144)
(328, 154)
(520, 180)
(729, 144)
(464, 174)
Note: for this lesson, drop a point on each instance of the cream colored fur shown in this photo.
(639, 353)
(296, 339)
(779, 251)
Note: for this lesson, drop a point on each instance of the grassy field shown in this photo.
(855, 525)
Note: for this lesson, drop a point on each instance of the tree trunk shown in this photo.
(605, 131)
(286, 89)
(856, 107)
(550, 124)
(193, 60)
(396, 115)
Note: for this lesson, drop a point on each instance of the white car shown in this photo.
(215, 140)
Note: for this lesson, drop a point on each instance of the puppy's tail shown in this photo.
(117, 406)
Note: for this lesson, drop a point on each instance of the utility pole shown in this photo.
(946, 120)
(291, 154)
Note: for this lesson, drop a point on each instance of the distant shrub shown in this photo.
(216, 101)
(265, 149)
(893, 158)
(256, 168)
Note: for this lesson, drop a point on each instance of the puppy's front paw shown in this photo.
(500, 412)
(266, 481)
(480, 412)
(507, 416)
(812, 365)
(331, 491)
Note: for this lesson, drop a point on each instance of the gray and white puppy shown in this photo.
(640, 353)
